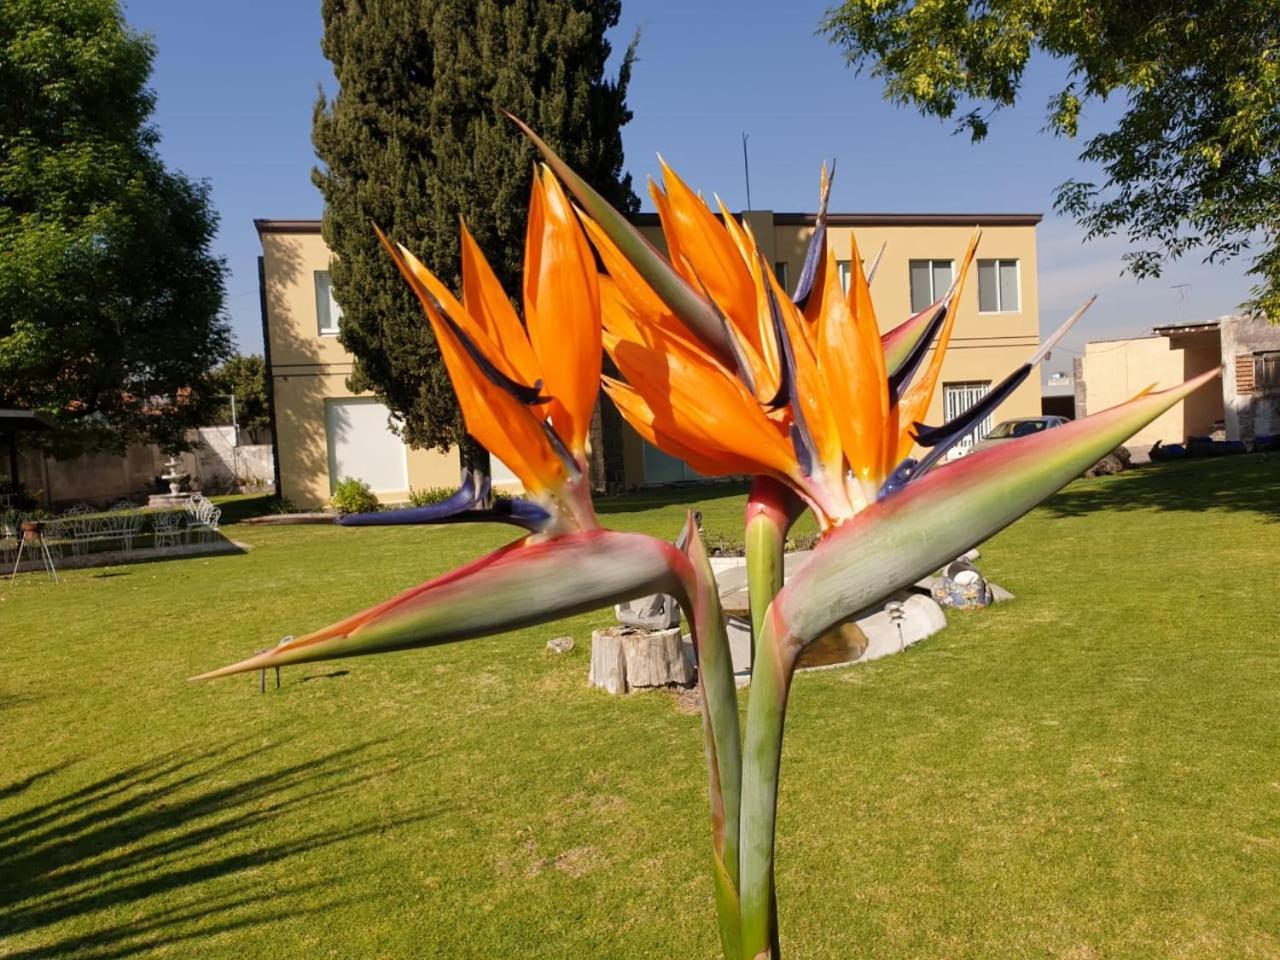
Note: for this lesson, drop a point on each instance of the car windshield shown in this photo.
(1016, 428)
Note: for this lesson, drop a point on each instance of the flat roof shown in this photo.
(1195, 326)
(24, 420)
(783, 219)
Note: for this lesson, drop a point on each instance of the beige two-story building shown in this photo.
(325, 433)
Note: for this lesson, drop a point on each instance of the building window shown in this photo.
(328, 313)
(845, 269)
(998, 286)
(929, 281)
(780, 271)
(1245, 369)
(1266, 372)
(956, 399)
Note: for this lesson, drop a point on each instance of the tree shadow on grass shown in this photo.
(1247, 482)
(151, 842)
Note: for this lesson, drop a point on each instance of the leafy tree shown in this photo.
(415, 139)
(1192, 163)
(110, 301)
(245, 377)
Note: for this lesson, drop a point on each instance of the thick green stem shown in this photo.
(721, 736)
(765, 541)
(762, 755)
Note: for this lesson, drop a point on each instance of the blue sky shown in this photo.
(236, 82)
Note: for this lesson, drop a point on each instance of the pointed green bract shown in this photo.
(953, 508)
(520, 585)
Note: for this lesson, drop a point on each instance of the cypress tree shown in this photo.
(415, 139)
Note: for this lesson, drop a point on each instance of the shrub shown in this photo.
(354, 496)
(429, 495)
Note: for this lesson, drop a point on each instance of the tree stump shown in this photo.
(625, 659)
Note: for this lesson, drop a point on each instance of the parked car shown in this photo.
(1013, 429)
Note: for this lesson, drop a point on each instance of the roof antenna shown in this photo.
(746, 168)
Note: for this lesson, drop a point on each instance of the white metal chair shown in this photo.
(202, 521)
(83, 526)
(168, 528)
(122, 523)
(10, 534)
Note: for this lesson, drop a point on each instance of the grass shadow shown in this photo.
(1225, 483)
(163, 834)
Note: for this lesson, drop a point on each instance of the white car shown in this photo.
(1013, 429)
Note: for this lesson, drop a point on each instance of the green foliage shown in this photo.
(246, 377)
(1190, 166)
(430, 495)
(110, 301)
(415, 139)
(354, 496)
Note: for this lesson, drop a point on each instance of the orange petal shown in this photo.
(811, 393)
(700, 403)
(638, 413)
(503, 425)
(486, 301)
(562, 310)
(714, 261)
(633, 287)
(852, 371)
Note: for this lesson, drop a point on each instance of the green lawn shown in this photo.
(1090, 771)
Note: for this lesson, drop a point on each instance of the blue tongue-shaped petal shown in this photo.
(801, 437)
(942, 438)
(817, 244)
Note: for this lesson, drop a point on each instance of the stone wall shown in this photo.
(1249, 412)
(215, 466)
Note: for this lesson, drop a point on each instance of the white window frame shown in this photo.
(1017, 275)
(844, 269)
(933, 294)
(334, 308)
(782, 271)
(969, 391)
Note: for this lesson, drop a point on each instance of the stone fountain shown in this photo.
(176, 477)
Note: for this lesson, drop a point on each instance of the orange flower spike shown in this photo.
(504, 425)
(914, 405)
(717, 264)
(854, 383)
(562, 311)
(486, 302)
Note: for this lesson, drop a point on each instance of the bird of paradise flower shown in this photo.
(721, 367)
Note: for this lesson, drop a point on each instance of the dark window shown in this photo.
(929, 281)
(1266, 372)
